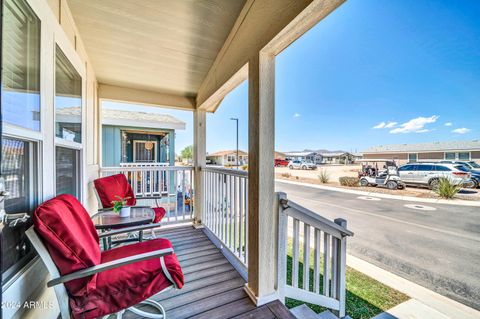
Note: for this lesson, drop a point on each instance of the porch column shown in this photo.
(262, 220)
(199, 160)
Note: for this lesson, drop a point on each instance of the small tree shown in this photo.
(187, 153)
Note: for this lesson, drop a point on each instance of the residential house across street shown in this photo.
(435, 151)
(228, 157)
(304, 156)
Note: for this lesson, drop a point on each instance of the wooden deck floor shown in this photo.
(213, 288)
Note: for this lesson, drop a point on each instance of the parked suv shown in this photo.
(472, 167)
(302, 165)
(429, 174)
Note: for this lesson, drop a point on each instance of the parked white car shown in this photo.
(302, 165)
(429, 174)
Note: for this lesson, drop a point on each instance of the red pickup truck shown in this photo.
(280, 163)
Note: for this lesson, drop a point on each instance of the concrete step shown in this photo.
(326, 315)
(303, 312)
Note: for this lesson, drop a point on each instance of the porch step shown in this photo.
(304, 312)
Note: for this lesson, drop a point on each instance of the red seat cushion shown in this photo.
(128, 285)
(159, 214)
(70, 237)
(111, 186)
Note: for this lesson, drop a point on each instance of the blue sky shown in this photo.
(373, 72)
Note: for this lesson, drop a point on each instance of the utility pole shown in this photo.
(236, 120)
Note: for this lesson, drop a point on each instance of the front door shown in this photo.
(144, 151)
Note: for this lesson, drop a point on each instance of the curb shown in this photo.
(459, 202)
(446, 306)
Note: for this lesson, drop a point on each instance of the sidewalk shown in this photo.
(425, 304)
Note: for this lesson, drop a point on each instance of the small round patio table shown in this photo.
(106, 220)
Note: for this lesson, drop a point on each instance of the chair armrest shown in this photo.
(109, 265)
(128, 230)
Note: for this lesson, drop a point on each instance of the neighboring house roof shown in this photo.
(426, 147)
(125, 118)
(228, 152)
(141, 119)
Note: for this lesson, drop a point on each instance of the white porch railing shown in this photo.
(301, 234)
(226, 209)
(170, 187)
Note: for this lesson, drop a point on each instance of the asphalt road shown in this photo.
(438, 249)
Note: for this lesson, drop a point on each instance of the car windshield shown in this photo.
(462, 168)
(473, 164)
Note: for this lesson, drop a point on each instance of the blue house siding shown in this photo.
(112, 144)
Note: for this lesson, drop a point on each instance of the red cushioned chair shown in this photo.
(107, 188)
(90, 283)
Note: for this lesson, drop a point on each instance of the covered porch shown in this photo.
(236, 239)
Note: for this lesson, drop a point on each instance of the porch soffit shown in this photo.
(164, 47)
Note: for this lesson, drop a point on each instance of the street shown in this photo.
(437, 247)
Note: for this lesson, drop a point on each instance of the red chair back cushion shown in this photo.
(111, 186)
(71, 239)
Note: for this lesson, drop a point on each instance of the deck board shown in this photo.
(213, 288)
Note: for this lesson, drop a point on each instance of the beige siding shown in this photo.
(392, 156)
(431, 156)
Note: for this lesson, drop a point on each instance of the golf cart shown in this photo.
(387, 176)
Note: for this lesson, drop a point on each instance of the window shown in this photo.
(68, 100)
(450, 156)
(464, 156)
(20, 96)
(21, 65)
(19, 175)
(67, 171)
(440, 168)
(406, 168)
(425, 167)
(412, 157)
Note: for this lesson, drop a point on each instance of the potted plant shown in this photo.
(120, 206)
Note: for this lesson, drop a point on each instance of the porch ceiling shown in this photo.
(162, 46)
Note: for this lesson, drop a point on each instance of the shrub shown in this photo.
(324, 176)
(349, 181)
(286, 175)
(296, 177)
(245, 167)
(228, 166)
(446, 189)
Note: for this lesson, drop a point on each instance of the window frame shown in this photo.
(416, 157)
(66, 48)
(37, 138)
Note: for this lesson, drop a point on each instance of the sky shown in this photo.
(373, 72)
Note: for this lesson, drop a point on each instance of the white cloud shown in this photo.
(390, 124)
(296, 115)
(462, 130)
(416, 125)
(448, 124)
(385, 125)
(380, 125)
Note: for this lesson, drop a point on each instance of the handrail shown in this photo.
(302, 229)
(228, 171)
(289, 204)
(140, 169)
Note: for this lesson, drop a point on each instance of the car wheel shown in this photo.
(363, 182)
(304, 167)
(391, 185)
(290, 167)
(433, 184)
